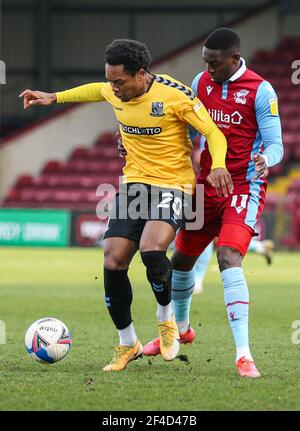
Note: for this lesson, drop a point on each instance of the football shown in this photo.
(48, 340)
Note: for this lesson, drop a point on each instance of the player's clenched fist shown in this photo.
(31, 97)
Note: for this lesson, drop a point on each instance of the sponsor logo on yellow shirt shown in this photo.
(134, 130)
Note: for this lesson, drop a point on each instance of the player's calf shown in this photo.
(118, 297)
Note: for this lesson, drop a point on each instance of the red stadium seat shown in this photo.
(290, 139)
(80, 153)
(291, 124)
(95, 153)
(281, 83)
(13, 195)
(106, 140)
(67, 196)
(52, 166)
(107, 152)
(24, 180)
(270, 70)
(35, 195)
(289, 110)
(287, 153)
(296, 152)
(276, 170)
(262, 56)
(290, 43)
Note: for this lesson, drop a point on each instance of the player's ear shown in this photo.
(236, 57)
(141, 74)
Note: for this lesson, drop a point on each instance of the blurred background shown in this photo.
(53, 159)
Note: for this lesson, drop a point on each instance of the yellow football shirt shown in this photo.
(154, 130)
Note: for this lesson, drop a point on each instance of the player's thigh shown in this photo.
(241, 212)
(190, 242)
(123, 233)
(125, 220)
(233, 243)
(165, 217)
(193, 242)
(245, 205)
(157, 235)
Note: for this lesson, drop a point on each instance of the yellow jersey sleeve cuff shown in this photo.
(218, 164)
(59, 97)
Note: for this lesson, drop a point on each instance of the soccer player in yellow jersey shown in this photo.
(153, 112)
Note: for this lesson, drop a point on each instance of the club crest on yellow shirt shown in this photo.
(157, 109)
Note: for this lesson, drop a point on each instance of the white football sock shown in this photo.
(243, 351)
(164, 312)
(127, 336)
(183, 326)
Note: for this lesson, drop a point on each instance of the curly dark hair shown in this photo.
(134, 55)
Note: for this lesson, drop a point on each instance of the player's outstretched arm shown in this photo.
(84, 93)
(35, 97)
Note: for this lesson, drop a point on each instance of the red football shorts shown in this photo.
(231, 219)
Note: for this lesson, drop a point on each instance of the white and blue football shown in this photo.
(48, 340)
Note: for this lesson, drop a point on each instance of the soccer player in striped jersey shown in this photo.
(244, 106)
(153, 112)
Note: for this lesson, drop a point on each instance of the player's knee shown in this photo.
(159, 268)
(228, 257)
(182, 262)
(114, 260)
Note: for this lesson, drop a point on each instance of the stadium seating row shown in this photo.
(85, 166)
(55, 180)
(47, 194)
(71, 184)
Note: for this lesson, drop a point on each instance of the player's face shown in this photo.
(124, 85)
(221, 65)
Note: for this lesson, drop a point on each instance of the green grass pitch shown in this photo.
(67, 284)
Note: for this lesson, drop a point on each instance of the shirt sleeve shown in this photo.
(195, 114)
(84, 93)
(193, 132)
(268, 120)
(195, 82)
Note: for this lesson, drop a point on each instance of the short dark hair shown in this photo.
(223, 38)
(134, 55)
